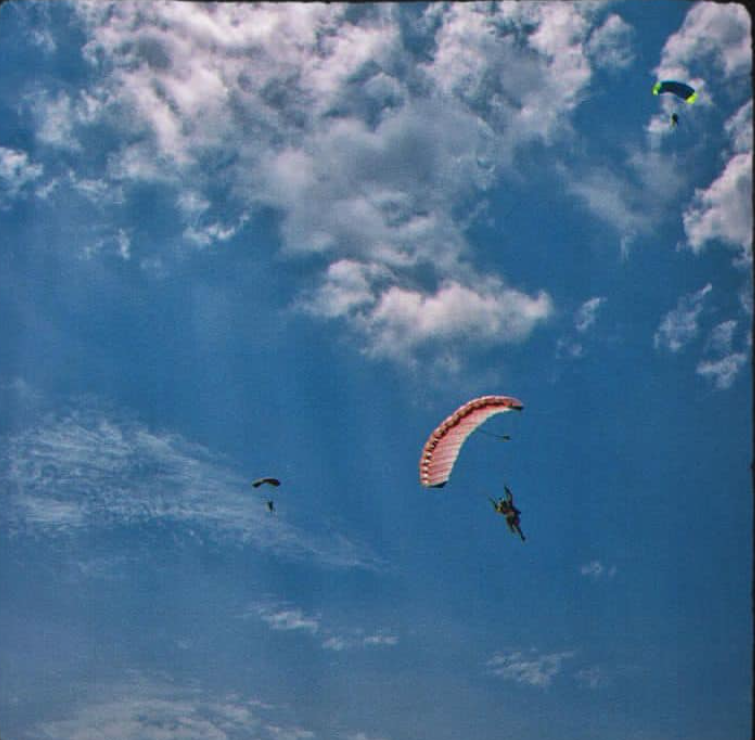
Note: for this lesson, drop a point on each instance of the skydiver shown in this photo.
(505, 506)
(270, 506)
(674, 120)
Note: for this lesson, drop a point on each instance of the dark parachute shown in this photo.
(680, 89)
(270, 481)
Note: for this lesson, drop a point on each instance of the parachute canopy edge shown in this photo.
(443, 445)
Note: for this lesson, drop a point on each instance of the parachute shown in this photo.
(680, 89)
(270, 481)
(443, 445)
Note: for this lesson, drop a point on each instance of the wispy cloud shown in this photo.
(587, 314)
(570, 346)
(596, 570)
(93, 468)
(723, 371)
(530, 667)
(592, 677)
(681, 325)
(286, 617)
(144, 708)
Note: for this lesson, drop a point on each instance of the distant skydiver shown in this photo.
(505, 506)
(681, 90)
(269, 482)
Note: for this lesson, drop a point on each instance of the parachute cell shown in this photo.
(443, 445)
(680, 89)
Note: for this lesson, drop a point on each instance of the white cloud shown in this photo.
(367, 153)
(739, 129)
(587, 313)
(569, 349)
(680, 325)
(403, 319)
(285, 617)
(631, 200)
(350, 641)
(530, 667)
(610, 45)
(711, 31)
(723, 211)
(396, 321)
(723, 363)
(148, 709)
(722, 337)
(723, 371)
(596, 570)
(90, 468)
(16, 172)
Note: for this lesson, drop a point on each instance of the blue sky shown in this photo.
(289, 240)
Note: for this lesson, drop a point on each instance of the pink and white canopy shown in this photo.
(442, 447)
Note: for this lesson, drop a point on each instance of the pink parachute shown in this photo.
(442, 447)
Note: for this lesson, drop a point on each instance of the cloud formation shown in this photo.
(531, 667)
(711, 32)
(16, 173)
(597, 570)
(285, 617)
(91, 468)
(586, 315)
(723, 211)
(366, 149)
(143, 708)
(723, 363)
(681, 325)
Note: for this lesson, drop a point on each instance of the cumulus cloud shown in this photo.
(597, 570)
(368, 153)
(680, 325)
(399, 320)
(531, 667)
(610, 45)
(92, 468)
(723, 211)
(717, 32)
(16, 172)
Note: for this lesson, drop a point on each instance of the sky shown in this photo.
(289, 240)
